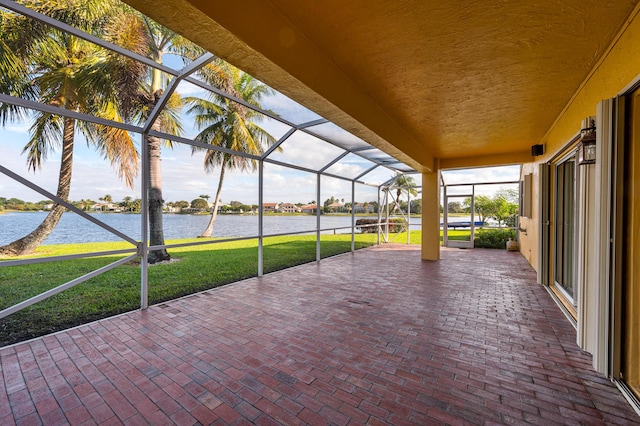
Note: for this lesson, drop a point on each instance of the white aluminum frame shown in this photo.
(141, 248)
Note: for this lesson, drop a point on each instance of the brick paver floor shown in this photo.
(378, 337)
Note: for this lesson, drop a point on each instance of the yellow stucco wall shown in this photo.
(529, 240)
(617, 68)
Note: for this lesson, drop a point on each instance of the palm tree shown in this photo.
(52, 67)
(127, 203)
(404, 185)
(140, 91)
(159, 41)
(228, 124)
(206, 198)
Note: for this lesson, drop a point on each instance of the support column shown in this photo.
(318, 248)
(431, 215)
(144, 223)
(260, 218)
(353, 216)
(409, 215)
(379, 228)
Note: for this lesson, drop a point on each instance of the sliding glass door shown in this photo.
(564, 237)
(630, 289)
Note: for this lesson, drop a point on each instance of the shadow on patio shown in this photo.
(376, 337)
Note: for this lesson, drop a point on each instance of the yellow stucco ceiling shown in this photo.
(419, 79)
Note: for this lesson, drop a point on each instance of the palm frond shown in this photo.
(86, 15)
(125, 74)
(226, 123)
(171, 115)
(12, 70)
(46, 135)
(185, 48)
(117, 147)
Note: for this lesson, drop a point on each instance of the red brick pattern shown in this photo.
(378, 337)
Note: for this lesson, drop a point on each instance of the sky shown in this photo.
(488, 180)
(184, 177)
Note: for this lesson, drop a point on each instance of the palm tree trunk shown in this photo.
(396, 202)
(156, 230)
(214, 214)
(30, 242)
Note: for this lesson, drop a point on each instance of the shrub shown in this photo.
(493, 238)
(365, 226)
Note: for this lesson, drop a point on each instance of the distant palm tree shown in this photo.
(40, 63)
(404, 185)
(127, 203)
(136, 205)
(227, 124)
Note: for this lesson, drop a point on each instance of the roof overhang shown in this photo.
(418, 79)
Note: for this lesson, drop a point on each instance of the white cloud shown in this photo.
(378, 176)
(307, 151)
(289, 109)
(289, 186)
(189, 89)
(337, 188)
(481, 177)
(22, 127)
(346, 169)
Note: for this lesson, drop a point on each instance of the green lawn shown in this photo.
(196, 268)
(457, 234)
(416, 236)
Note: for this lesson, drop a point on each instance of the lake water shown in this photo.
(76, 229)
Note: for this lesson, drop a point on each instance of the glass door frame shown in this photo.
(570, 299)
(446, 242)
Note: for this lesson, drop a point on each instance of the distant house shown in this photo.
(106, 207)
(309, 208)
(336, 207)
(362, 208)
(289, 208)
(270, 207)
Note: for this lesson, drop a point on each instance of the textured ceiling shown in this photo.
(420, 79)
